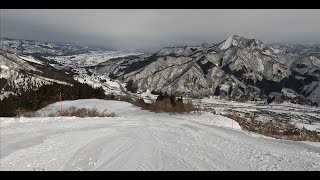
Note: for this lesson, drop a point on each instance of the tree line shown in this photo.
(32, 100)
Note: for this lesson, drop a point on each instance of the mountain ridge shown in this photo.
(237, 68)
(198, 71)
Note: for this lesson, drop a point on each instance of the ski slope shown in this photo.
(141, 140)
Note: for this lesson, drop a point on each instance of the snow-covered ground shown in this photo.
(31, 59)
(299, 115)
(4, 67)
(137, 139)
(88, 59)
(80, 64)
(147, 96)
(109, 86)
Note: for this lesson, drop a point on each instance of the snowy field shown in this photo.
(299, 115)
(89, 59)
(109, 86)
(80, 64)
(141, 140)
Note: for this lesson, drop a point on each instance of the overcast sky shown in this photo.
(138, 28)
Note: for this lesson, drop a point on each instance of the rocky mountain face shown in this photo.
(237, 69)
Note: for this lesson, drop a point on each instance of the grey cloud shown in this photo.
(155, 28)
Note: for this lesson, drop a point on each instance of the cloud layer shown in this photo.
(138, 28)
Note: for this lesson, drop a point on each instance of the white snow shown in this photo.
(225, 87)
(267, 52)
(106, 83)
(313, 127)
(51, 80)
(4, 67)
(288, 92)
(78, 64)
(141, 140)
(31, 59)
(5, 94)
(299, 115)
(227, 43)
(88, 59)
(147, 96)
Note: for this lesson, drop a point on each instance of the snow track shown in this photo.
(140, 140)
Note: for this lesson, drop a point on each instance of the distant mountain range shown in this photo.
(237, 69)
(43, 48)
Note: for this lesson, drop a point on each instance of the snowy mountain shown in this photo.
(65, 61)
(36, 48)
(301, 49)
(238, 69)
(19, 73)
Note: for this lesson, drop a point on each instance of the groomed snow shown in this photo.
(141, 140)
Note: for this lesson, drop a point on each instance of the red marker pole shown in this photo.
(232, 123)
(60, 104)
(232, 120)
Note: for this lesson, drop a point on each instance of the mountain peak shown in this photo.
(234, 36)
(248, 44)
(232, 40)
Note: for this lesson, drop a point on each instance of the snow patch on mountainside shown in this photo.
(31, 59)
(88, 59)
(227, 43)
(108, 85)
(4, 67)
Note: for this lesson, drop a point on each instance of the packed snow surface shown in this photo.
(137, 139)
